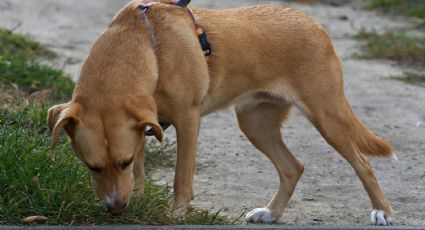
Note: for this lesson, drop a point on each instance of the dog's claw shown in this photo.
(379, 218)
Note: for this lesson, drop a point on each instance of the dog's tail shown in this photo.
(369, 144)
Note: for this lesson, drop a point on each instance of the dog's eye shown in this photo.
(95, 169)
(125, 165)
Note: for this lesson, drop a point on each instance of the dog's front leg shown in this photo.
(138, 169)
(187, 127)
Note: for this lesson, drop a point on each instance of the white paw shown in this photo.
(260, 215)
(379, 218)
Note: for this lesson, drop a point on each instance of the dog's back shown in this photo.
(258, 46)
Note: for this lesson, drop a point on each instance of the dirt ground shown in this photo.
(232, 175)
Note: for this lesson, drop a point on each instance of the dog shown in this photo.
(148, 68)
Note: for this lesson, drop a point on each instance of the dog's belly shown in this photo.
(250, 99)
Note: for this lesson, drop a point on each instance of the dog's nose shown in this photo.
(116, 208)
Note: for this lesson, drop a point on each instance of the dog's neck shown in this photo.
(122, 59)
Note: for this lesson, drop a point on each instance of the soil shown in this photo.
(232, 175)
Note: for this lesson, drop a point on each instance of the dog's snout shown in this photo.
(116, 207)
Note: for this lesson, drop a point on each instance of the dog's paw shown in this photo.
(139, 190)
(177, 213)
(179, 209)
(378, 217)
(260, 215)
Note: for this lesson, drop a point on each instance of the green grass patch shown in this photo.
(35, 180)
(411, 8)
(19, 46)
(20, 68)
(412, 78)
(394, 46)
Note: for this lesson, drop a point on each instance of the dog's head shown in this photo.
(107, 139)
(113, 103)
(112, 106)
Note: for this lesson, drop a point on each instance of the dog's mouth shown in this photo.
(163, 125)
(115, 211)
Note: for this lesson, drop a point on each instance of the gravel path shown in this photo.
(232, 175)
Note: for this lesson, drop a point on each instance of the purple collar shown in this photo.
(144, 9)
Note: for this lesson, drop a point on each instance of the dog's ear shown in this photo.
(156, 128)
(143, 109)
(60, 116)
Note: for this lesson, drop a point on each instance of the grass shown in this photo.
(412, 78)
(35, 180)
(411, 8)
(20, 68)
(401, 47)
(159, 155)
(394, 46)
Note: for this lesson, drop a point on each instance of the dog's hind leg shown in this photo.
(261, 125)
(325, 104)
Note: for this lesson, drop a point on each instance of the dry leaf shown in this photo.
(31, 219)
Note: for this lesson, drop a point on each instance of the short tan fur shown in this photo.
(265, 60)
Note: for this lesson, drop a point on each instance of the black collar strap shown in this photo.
(182, 3)
(202, 36)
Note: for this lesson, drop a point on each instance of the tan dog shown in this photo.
(265, 60)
